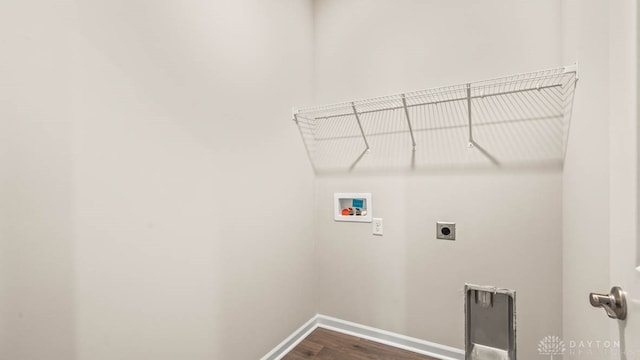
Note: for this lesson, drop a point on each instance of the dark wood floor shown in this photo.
(324, 344)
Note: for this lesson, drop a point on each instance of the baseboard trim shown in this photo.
(292, 341)
(366, 332)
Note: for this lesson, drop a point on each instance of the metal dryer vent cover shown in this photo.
(490, 323)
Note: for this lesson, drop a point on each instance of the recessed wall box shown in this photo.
(490, 324)
(353, 207)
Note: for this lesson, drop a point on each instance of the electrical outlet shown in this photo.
(446, 230)
(377, 226)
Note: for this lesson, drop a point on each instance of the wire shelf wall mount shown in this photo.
(518, 120)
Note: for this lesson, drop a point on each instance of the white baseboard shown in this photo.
(292, 341)
(365, 332)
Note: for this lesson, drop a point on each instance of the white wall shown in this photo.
(509, 222)
(149, 167)
(137, 139)
(36, 216)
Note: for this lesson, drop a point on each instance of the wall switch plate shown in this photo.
(377, 226)
(446, 230)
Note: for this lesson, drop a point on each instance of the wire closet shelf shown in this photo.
(518, 120)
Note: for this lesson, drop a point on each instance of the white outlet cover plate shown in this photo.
(377, 226)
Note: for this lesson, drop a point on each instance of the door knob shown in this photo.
(614, 303)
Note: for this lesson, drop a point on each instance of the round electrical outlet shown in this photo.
(445, 230)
